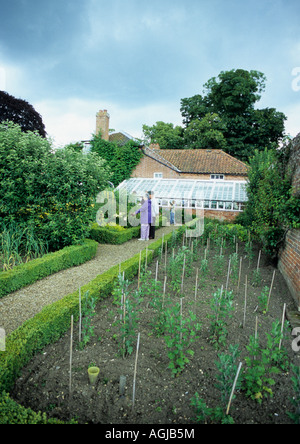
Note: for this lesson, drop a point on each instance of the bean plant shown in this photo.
(88, 312)
(221, 311)
(264, 363)
(263, 299)
(184, 257)
(128, 304)
(206, 415)
(180, 333)
(227, 365)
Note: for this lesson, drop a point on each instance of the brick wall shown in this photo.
(289, 257)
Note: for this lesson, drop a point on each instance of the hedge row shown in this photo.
(106, 235)
(54, 320)
(26, 274)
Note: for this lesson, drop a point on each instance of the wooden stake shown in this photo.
(180, 320)
(164, 293)
(196, 286)
(156, 271)
(282, 324)
(124, 321)
(162, 245)
(258, 261)
(271, 289)
(240, 273)
(182, 277)
(146, 258)
(166, 252)
(256, 328)
(71, 355)
(233, 388)
(245, 305)
(228, 273)
(140, 260)
(80, 314)
(135, 370)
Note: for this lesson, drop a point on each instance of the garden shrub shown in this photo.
(111, 235)
(13, 413)
(272, 209)
(52, 192)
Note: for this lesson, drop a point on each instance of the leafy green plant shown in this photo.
(206, 415)
(219, 262)
(128, 321)
(263, 299)
(234, 264)
(88, 312)
(263, 363)
(179, 335)
(184, 257)
(222, 310)
(227, 366)
(256, 278)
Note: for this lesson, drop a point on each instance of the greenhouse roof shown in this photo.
(212, 190)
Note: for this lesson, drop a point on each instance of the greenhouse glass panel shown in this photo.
(191, 193)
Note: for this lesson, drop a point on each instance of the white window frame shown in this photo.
(217, 177)
(158, 175)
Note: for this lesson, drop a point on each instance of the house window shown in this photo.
(217, 177)
(158, 175)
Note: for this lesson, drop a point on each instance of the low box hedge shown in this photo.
(108, 235)
(30, 272)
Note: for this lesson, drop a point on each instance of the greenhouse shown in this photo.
(191, 193)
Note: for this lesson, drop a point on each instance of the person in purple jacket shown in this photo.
(145, 212)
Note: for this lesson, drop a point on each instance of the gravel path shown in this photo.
(23, 304)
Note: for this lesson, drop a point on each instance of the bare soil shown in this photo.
(161, 398)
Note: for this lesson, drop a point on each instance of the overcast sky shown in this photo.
(139, 58)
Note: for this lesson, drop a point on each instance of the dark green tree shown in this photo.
(20, 112)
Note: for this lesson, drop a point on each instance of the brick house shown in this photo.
(198, 178)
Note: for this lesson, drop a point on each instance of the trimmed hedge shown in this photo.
(14, 413)
(106, 235)
(26, 274)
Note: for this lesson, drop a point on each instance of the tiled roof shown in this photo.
(120, 137)
(199, 161)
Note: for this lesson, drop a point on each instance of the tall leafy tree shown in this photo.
(165, 134)
(21, 112)
(233, 96)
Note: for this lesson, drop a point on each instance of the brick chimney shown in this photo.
(102, 124)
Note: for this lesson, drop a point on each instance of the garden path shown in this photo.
(23, 304)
